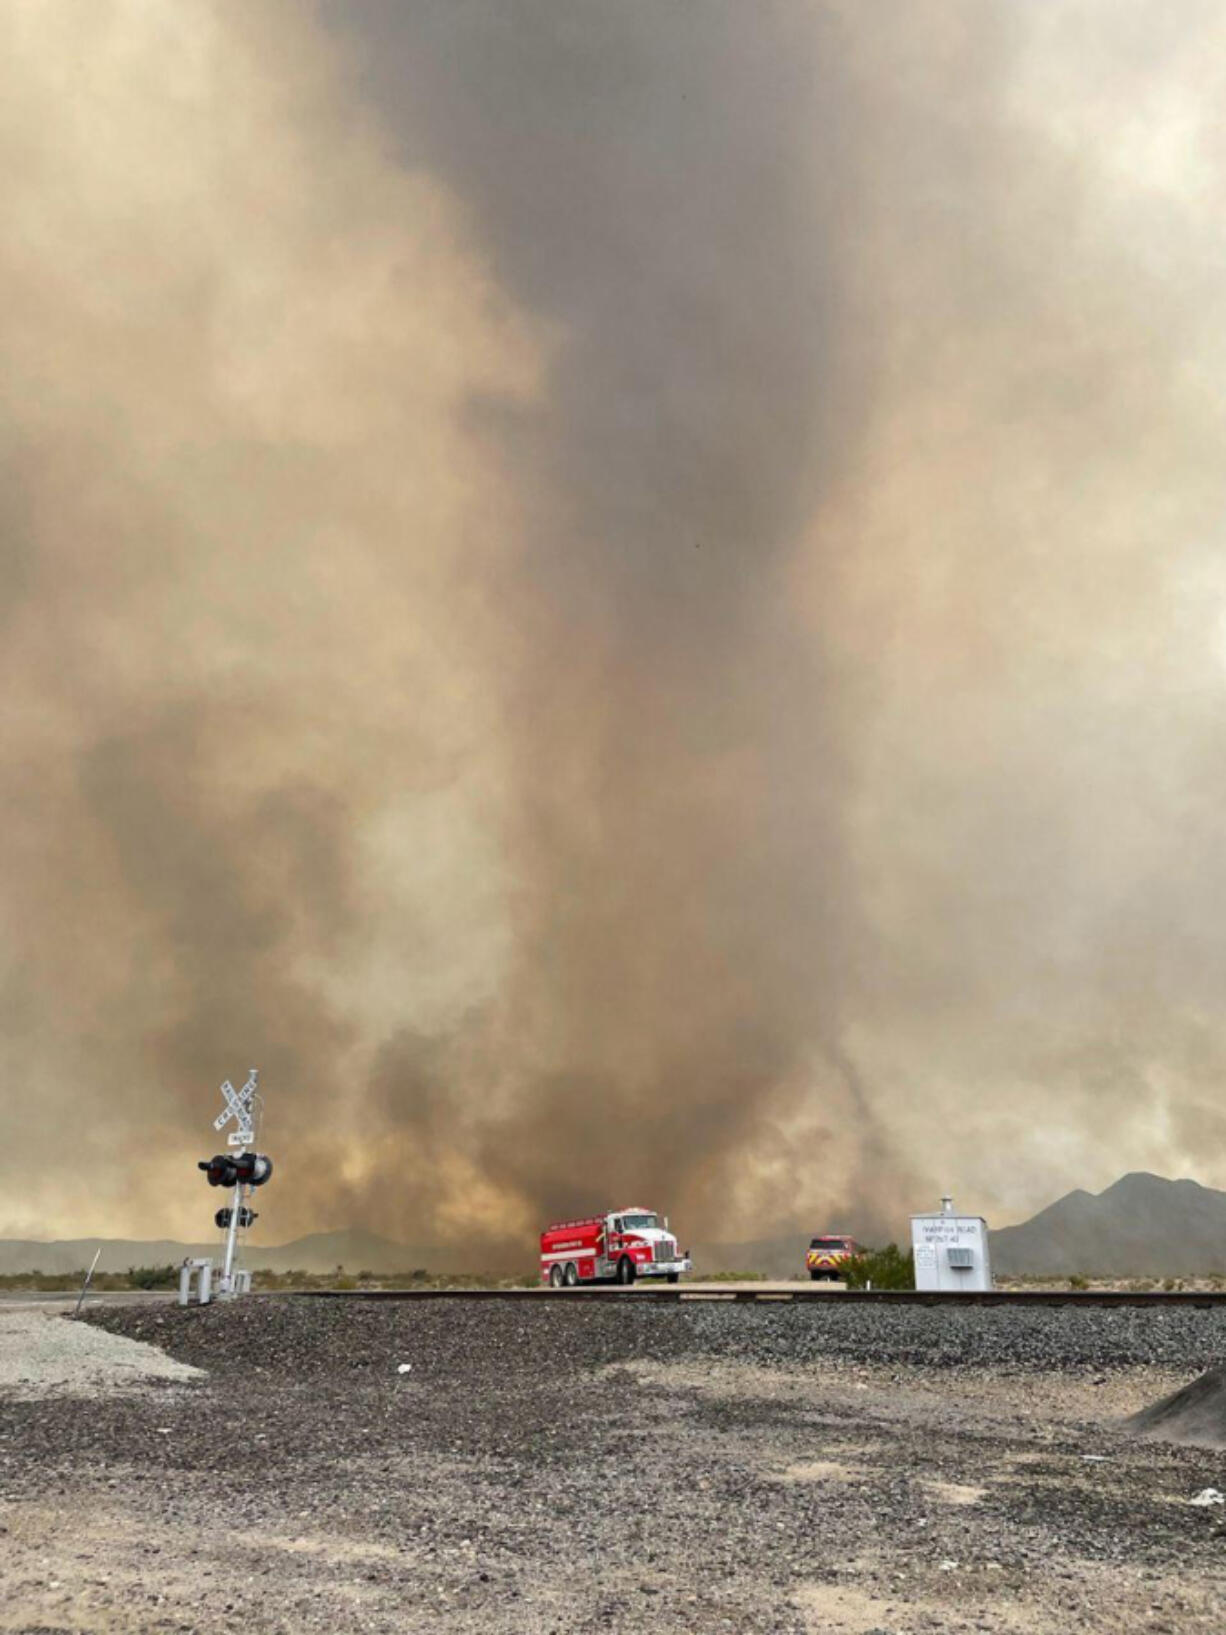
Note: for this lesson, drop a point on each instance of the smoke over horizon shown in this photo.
(629, 601)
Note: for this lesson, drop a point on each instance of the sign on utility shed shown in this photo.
(951, 1251)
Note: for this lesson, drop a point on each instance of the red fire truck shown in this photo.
(618, 1247)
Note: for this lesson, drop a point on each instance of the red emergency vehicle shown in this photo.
(828, 1257)
(619, 1247)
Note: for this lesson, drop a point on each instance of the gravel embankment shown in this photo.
(478, 1337)
(553, 1467)
(42, 1355)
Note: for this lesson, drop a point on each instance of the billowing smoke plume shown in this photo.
(629, 600)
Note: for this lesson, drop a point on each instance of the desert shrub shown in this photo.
(153, 1277)
(887, 1268)
(295, 1278)
(42, 1280)
(1078, 1282)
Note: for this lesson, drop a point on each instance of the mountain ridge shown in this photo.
(1141, 1225)
(351, 1248)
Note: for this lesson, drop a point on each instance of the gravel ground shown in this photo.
(559, 1467)
(41, 1356)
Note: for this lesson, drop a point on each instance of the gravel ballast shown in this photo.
(554, 1466)
(314, 1334)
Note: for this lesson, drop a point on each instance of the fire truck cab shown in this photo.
(619, 1247)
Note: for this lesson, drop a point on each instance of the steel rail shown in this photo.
(1155, 1300)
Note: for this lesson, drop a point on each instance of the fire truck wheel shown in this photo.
(555, 1277)
(572, 1274)
(674, 1277)
(625, 1270)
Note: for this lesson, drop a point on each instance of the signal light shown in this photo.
(226, 1169)
(223, 1217)
(253, 1168)
(221, 1170)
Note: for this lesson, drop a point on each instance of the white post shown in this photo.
(232, 1239)
(187, 1271)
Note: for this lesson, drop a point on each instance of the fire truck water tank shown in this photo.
(951, 1251)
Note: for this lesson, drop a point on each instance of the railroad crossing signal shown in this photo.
(240, 1106)
(244, 1171)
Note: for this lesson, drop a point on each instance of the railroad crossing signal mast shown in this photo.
(244, 1171)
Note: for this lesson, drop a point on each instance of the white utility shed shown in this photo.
(951, 1251)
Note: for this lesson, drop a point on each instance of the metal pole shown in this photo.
(88, 1279)
(232, 1236)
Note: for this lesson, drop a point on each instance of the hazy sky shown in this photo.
(629, 599)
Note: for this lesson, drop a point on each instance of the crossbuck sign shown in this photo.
(240, 1106)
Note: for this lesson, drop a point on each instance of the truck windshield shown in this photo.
(637, 1223)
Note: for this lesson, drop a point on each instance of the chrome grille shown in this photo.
(664, 1249)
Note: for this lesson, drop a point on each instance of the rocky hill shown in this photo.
(1143, 1225)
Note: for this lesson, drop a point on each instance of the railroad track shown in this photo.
(755, 1297)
